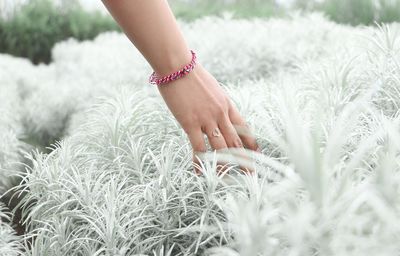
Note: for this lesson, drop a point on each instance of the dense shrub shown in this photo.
(53, 94)
(120, 181)
(38, 25)
(194, 9)
(10, 243)
(33, 30)
(357, 12)
(10, 133)
(323, 103)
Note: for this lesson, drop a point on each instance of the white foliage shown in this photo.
(10, 244)
(232, 50)
(323, 102)
(10, 131)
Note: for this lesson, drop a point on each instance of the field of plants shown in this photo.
(97, 164)
(32, 29)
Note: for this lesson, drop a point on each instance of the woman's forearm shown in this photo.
(152, 28)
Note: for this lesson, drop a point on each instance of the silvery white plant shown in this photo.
(10, 131)
(305, 210)
(325, 112)
(340, 200)
(327, 184)
(10, 243)
(117, 192)
(54, 93)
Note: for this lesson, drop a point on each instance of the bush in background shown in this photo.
(190, 10)
(37, 26)
(357, 12)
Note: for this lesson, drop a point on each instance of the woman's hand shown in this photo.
(197, 101)
(201, 106)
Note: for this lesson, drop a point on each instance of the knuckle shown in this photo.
(190, 123)
(228, 100)
(188, 128)
(231, 103)
(219, 110)
(237, 143)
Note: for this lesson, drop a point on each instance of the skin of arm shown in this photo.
(197, 100)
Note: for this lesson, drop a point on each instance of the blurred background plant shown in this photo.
(357, 12)
(36, 26)
(31, 29)
(193, 9)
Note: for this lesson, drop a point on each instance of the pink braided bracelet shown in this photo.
(154, 79)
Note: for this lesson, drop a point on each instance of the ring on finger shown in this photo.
(216, 132)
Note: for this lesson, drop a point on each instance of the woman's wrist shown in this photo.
(176, 74)
(170, 62)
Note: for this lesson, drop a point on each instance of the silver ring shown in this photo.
(216, 132)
